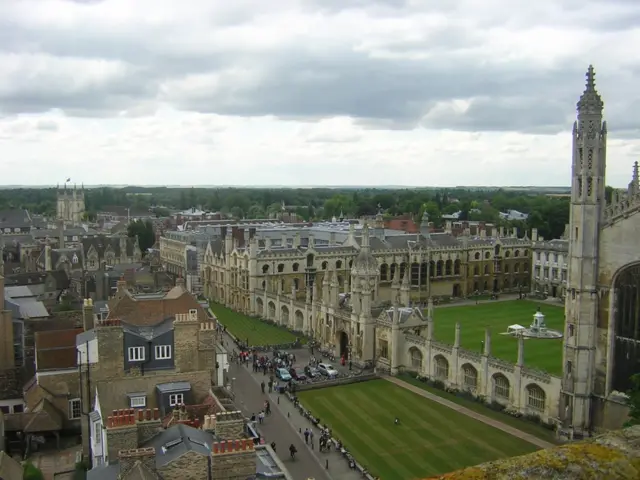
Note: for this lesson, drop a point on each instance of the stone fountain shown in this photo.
(538, 329)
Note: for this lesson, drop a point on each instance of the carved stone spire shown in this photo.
(590, 102)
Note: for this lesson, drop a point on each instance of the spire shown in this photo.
(365, 238)
(590, 102)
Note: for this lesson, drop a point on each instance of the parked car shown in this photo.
(283, 374)
(327, 370)
(298, 374)
(312, 372)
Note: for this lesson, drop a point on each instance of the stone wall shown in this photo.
(190, 466)
(233, 460)
(612, 456)
(10, 383)
(334, 383)
(229, 425)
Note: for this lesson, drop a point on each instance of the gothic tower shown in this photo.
(70, 205)
(582, 305)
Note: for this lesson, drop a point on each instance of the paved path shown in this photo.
(470, 413)
(507, 297)
(284, 426)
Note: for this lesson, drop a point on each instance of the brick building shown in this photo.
(149, 351)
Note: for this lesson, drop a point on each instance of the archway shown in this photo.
(343, 344)
(284, 315)
(272, 311)
(259, 307)
(299, 325)
(627, 328)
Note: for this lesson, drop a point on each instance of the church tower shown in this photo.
(582, 303)
(70, 205)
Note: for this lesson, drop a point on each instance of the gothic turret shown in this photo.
(586, 214)
(405, 289)
(364, 273)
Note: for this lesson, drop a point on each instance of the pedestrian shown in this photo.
(261, 417)
(349, 364)
(270, 386)
(262, 386)
(268, 407)
(253, 417)
(306, 436)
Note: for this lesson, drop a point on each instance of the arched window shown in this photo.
(442, 368)
(516, 253)
(384, 272)
(339, 264)
(324, 265)
(486, 269)
(487, 255)
(501, 386)
(469, 376)
(281, 267)
(476, 270)
(627, 327)
(265, 269)
(507, 254)
(416, 358)
(506, 269)
(448, 268)
(439, 268)
(296, 267)
(296, 283)
(456, 267)
(477, 256)
(536, 398)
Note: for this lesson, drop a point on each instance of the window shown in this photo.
(75, 409)
(163, 352)
(92, 263)
(138, 402)
(176, 399)
(470, 378)
(501, 387)
(384, 349)
(97, 430)
(136, 354)
(536, 398)
(442, 368)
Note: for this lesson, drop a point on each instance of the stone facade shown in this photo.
(550, 267)
(603, 288)
(70, 205)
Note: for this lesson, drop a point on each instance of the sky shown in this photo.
(311, 92)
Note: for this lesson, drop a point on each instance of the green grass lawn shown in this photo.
(244, 327)
(545, 355)
(520, 423)
(431, 439)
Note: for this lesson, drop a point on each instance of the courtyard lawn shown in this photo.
(256, 331)
(431, 439)
(544, 355)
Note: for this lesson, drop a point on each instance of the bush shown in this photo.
(31, 472)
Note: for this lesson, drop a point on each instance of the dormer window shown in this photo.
(163, 352)
(74, 259)
(136, 354)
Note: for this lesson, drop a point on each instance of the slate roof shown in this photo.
(103, 244)
(149, 332)
(56, 349)
(177, 440)
(15, 218)
(10, 469)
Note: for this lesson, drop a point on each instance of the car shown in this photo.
(298, 374)
(327, 370)
(283, 374)
(311, 372)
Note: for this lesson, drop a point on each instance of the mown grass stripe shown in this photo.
(432, 439)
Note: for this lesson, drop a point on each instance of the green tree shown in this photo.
(634, 401)
(31, 472)
(144, 231)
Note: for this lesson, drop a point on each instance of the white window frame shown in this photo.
(138, 402)
(163, 352)
(176, 399)
(97, 433)
(136, 354)
(73, 403)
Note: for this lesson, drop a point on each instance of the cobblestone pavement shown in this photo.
(470, 413)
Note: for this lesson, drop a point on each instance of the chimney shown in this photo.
(121, 285)
(284, 239)
(534, 234)
(239, 453)
(87, 314)
(122, 432)
(296, 240)
(129, 458)
(149, 424)
(47, 261)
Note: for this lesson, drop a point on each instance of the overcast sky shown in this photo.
(311, 92)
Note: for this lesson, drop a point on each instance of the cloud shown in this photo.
(341, 68)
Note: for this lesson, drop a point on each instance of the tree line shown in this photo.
(548, 214)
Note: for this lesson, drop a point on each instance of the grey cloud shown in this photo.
(298, 83)
(47, 125)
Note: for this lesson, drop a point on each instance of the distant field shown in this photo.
(246, 328)
(431, 439)
(541, 354)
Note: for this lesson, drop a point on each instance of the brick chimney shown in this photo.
(149, 424)
(87, 314)
(129, 458)
(122, 432)
(233, 459)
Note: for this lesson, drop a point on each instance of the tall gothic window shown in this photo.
(627, 328)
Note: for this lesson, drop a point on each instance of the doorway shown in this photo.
(344, 345)
(554, 292)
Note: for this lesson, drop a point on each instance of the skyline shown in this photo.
(310, 92)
